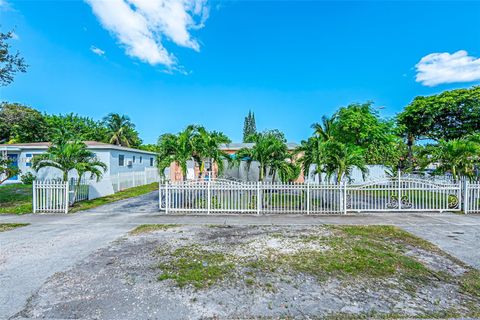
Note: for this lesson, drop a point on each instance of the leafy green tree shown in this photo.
(70, 155)
(10, 63)
(121, 130)
(449, 115)
(20, 124)
(361, 126)
(249, 127)
(7, 169)
(82, 128)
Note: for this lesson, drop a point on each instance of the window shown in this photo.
(151, 162)
(141, 159)
(121, 160)
(133, 159)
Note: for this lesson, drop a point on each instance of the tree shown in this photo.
(249, 127)
(340, 159)
(19, 123)
(82, 128)
(7, 169)
(207, 147)
(324, 130)
(457, 156)
(70, 155)
(121, 131)
(176, 148)
(269, 147)
(309, 153)
(10, 63)
(449, 115)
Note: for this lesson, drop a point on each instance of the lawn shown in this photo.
(11, 226)
(17, 198)
(265, 272)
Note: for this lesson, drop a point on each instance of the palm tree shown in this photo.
(70, 155)
(121, 130)
(324, 130)
(177, 148)
(207, 147)
(309, 154)
(457, 156)
(340, 159)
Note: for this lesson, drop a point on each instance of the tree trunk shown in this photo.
(410, 143)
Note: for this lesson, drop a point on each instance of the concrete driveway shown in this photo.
(52, 243)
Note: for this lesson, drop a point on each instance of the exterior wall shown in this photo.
(109, 157)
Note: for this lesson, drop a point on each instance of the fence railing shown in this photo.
(260, 197)
(50, 196)
(471, 197)
(125, 180)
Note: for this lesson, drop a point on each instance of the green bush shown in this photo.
(27, 178)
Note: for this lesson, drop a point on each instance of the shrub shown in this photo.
(27, 178)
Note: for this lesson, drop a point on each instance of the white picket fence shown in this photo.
(471, 197)
(393, 195)
(55, 196)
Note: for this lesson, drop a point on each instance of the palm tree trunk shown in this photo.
(410, 143)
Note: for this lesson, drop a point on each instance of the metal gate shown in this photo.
(403, 194)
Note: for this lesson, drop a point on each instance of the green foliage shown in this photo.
(340, 159)
(249, 127)
(11, 226)
(19, 123)
(70, 155)
(121, 130)
(10, 63)
(7, 169)
(193, 143)
(146, 228)
(449, 115)
(27, 178)
(73, 125)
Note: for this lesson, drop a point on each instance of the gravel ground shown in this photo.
(120, 281)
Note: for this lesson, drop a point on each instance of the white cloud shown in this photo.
(439, 68)
(141, 26)
(97, 51)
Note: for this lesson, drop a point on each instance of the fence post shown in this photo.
(167, 197)
(344, 197)
(133, 179)
(308, 197)
(209, 197)
(145, 176)
(399, 191)
(465, 196)
(118, 181)
(259, 202)
(34, 196)
(67, 197)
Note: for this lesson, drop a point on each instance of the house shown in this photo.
(238, 173)
(119, 160)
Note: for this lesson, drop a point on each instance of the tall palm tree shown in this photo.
(121, 130)
(207, 148)
(70, 155)
(340, 159)
(309, 154)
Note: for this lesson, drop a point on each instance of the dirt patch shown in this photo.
(191, 272)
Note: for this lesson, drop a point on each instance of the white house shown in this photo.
(120, 161)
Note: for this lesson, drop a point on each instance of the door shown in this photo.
(14, 159)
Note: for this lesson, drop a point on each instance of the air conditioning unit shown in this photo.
(129, 163)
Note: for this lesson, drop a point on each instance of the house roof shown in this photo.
(95, 145)
(237, 146)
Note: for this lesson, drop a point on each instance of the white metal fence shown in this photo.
(125, 180)
(50, 196)
(221, 196)
(471, 197)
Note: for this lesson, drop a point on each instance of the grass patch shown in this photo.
(146, 228)
(470, 282)
(191, 265)
(15, 199)
(352, 251)
(11, 226)
(124, 194)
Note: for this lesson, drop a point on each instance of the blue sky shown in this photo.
(204, 62)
